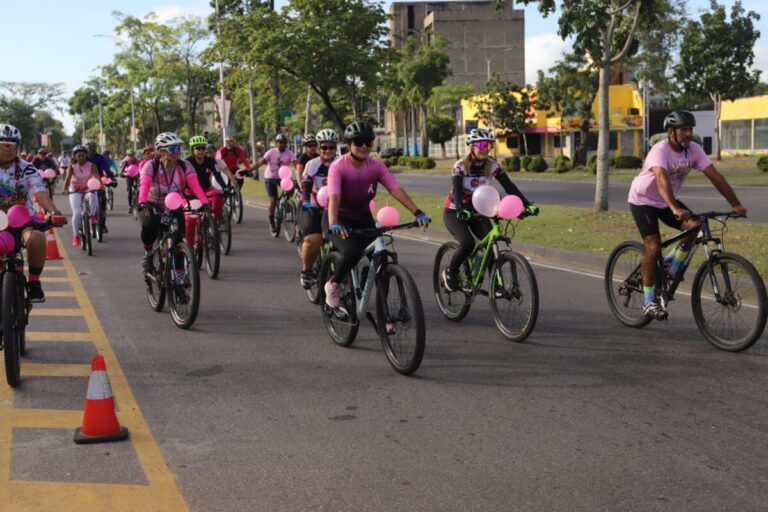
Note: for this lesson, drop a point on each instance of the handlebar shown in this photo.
(383, 229)
(713, 214)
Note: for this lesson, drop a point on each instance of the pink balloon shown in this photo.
(322, 197)
(486, 199)
(510, 207)
(3, 220)
(173, 201)
(284, 172)
(94, 184)
(132, 170)
(195, 204)
(286, 184)
(41, 173)
(372, 205)
(49, 174)
(388, 216)
(106, 180)
(18, 216)
(7, 242)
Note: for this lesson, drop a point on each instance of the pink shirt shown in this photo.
(155, 185)
(644, 189)
(275, 159)
(357, 186)
(80, 176)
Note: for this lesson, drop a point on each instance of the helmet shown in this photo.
(678, 118)
(79, 149)
(90, 143)
(148, 148)
(327, 135)
(167, 139)
(478, 134)
(10, 132)
(43, 150)
(198, 140)
(308, 138)
(359, 130)
(210, 147)
(281, 137)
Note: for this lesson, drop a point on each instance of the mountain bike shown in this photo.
(206, 244)
(285, 215)
(225, 224)
(15, 305)
(728, 296)
(174, 273)
(236, 206)
(111, 196)
(86, 229)
(399, 318)
(512, 290)
(313, 292)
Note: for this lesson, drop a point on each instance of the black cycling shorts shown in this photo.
(647, 218)
(311, 221)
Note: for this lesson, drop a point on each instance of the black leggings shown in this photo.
(130, 183)
(150, 227)
(462, 231)
(350, 248)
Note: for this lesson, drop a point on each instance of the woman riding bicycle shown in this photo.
(164, 174)
(352, 183)
(469, 173)
(76, 185)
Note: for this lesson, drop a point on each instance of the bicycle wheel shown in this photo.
(85, 233)
(400, 319)
(184, 283)
(277, 219)
(225, 232)
(99, 227)
(453, 305)
(514, 296)
(25, 307)
(624, 284)
(342, 323)
(313, 292)
(289, 221)
(10, 335)
(212, 247)
(237, 210)
(135, 195)
(110, 199)
(198, 246)
(156, 282)
(733, 318)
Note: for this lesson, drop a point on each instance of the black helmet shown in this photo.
(359, 130)
(79, 149)
(90, 143)
(281, 137)
(678, 118)
(210, 147)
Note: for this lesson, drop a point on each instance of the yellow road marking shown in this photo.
(46, 418)
(55, 370)
(56, 312)
(55, 268)
(47, 279)
(59, 294)
(59, 336)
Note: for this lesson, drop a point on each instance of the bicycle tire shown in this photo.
(277, 220)
(404, 343)
(135, 195)
(99, 230)
(183, 299)
(110, 199)
(313, 292)
(289, 221)
(198, 242)
(212, 247)
(238, 207)
(624, 284)
(743, 291)
(225, 233)
(85, 232)
(11, 349)
(342, 323)
(156, 287)
(26, 308)
(453, 305)
(519, 296)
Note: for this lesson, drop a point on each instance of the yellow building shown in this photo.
(744, 125)
(551, 134)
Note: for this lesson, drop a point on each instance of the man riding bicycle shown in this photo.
(102, 164)
(233, 156)
(653, 198)
(275, 158)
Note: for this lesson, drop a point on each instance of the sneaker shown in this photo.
(35, 290)
(450, 280)
(390, 328)
(307, 279)
(93, 219)
(654, 310)
(332, 294)
(146, 264)
(76, 241)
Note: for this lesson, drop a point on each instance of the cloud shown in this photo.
(167, 13)
(541, 53)
(761, 59)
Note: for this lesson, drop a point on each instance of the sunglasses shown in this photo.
(199, 148)
(363, 142)
(484, 144)
(311, 144)
(176, 148)
(9, 143)
(328, 147)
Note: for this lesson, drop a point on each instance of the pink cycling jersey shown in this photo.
(316, 171)
(470, 181)
(644, 190)
(357, 186)
(275, 159)
(154, 186)
(80, 176)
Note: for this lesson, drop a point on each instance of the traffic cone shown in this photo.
(52, 248)
(100, 423)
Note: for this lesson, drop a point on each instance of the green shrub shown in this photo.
(414, 162)
(429, 163)
(612, 162)
(762, 163)
(537, 164)
(515, 167)
(506, 164)
(591, 167)
(390, 161)
(626, 162)
(524, 161)
(562, 164)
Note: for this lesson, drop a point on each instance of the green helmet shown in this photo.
(198, 140)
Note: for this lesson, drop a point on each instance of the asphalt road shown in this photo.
(582, 194)
(256, 409)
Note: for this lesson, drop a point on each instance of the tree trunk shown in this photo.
(329, 105)
(580, 155)
(521, 133)
(425, 132)
(718, 110)
(601, 183)
(442, 146)
(414, 131)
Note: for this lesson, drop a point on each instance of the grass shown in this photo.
(580, 229)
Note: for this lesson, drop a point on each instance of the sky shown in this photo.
(72, 53)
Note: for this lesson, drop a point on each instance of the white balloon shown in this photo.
(486, 200)
(3, 220)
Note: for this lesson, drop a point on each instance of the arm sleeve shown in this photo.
(334, 178)
(145, 181)
(218, 177)
(511, 188)
(458, 190)
(306, 190)
(386, 177)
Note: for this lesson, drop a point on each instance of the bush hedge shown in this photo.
(524, 161)
(537, 164)
(511, 164)
(562, 164)
(414, 162)
(591, 167)
(626, 162)
(762, 163)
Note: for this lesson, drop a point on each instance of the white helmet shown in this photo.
(327, 135)
(10, 132)
(478, 134)
(167, 139)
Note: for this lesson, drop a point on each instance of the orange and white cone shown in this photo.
(100, 423)
(52, 248)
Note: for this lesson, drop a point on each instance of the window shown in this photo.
(761, 133)
(613, 140)
(737, 134)
(512, 141)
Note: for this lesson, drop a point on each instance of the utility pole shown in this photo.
(133, 122)
(275, 85)
(102, 140)
(223, 108)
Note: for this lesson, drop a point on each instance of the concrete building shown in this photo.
(744, 126)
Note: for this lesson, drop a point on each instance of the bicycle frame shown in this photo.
(380, 255)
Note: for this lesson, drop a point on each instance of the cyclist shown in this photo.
(128, 166)
(352, 183)
(149, 153)
(210, 150)
(653, 197)
(469, 173)
(75, 183)
(44, 161)
(314, 177)
(309, 143)
(166, 173)
(102, 164)
(20, 183)
(275, 158)
(233, 156)
(63, 162)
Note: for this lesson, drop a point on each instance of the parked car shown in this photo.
(390, 152)
(342, 149)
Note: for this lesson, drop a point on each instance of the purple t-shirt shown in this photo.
(275, 159)
(357, 186)
(644, 190)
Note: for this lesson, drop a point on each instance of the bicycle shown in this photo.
(206, 243)
(111, 196)
(16, 305)
(86, 229)
(513, 291)
(285, 215)
(725, 286)
(225, 224)
(236, 206)
(399, 316)
(313, 292)
(174, 270)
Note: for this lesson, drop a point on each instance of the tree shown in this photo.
(441, 130)
(717, 56)
(505, 107)
(21, 104)
(451, 96)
